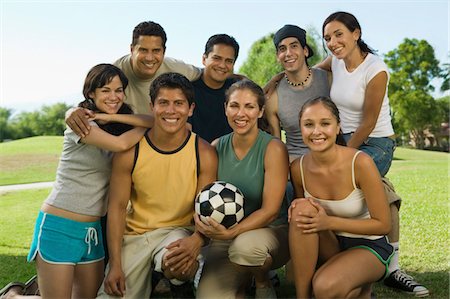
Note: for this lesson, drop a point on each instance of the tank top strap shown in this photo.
(353, 169)
(301, 173)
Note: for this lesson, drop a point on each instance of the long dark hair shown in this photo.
(331, 106)
(97, 77)
(352, 24)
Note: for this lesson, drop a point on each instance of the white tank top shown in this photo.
(352, 206)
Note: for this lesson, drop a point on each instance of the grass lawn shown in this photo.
(420, 177)
(29, 160)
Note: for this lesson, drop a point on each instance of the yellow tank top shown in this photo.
(164, 186)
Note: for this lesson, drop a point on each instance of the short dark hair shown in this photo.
(222, 39)
(172, 81)
(149, 28)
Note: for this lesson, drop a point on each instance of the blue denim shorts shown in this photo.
(64, 241)
(379, 247)
(381, 149)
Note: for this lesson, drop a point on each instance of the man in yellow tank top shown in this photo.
(160, 177)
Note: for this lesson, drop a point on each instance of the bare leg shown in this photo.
(55, 281)
(348, 274)
(304, 250)
(261, 274)
(87, 281)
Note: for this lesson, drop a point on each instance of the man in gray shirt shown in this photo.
(298, 84)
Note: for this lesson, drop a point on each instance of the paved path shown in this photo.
(7, 188)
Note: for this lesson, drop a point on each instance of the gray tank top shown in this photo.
(290, 101)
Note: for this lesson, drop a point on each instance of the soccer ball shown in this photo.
(221, 201)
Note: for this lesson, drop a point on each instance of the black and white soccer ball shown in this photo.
(221, 201)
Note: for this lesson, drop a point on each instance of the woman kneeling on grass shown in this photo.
(339, 220)
(257, 163)
(67, 243)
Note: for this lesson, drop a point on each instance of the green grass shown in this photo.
(420, 177)
(29, 160)
(19, 212)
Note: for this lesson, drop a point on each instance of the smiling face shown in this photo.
(340, 40)
(218, 64)
(291, 55)
(171, 110)
(147, 56)
(319, 127)
(242, 111)
(109, 98)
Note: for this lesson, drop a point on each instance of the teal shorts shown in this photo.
(60, 240)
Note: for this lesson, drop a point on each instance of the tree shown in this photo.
(446, 76)
(52, 119)
(25, 124)
(5, 114)
(47, 121)
(444, 105)
(413, 66)
(261, 64)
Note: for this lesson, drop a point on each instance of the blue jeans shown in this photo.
(380, 149)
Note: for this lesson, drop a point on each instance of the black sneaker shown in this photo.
(401, 281)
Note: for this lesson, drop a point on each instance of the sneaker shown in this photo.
(401, 281)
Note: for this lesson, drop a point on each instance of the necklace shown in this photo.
(298, 84)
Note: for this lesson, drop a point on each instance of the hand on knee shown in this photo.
(302, 208)
(183, 273)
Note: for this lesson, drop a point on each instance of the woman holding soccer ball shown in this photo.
(257, 164)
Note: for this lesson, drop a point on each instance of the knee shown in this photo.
(327, 286)
(301, 206)
(244, 253)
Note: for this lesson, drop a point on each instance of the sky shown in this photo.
(47, 47)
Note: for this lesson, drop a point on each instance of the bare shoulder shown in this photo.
(124, 160)
(206, 150)
(295, 163)
(295, 172)
(204, 145)
(363, 160)
(364, 166)
(276, 147)
(276, 154)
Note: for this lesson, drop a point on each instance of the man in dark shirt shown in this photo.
(209, 120)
